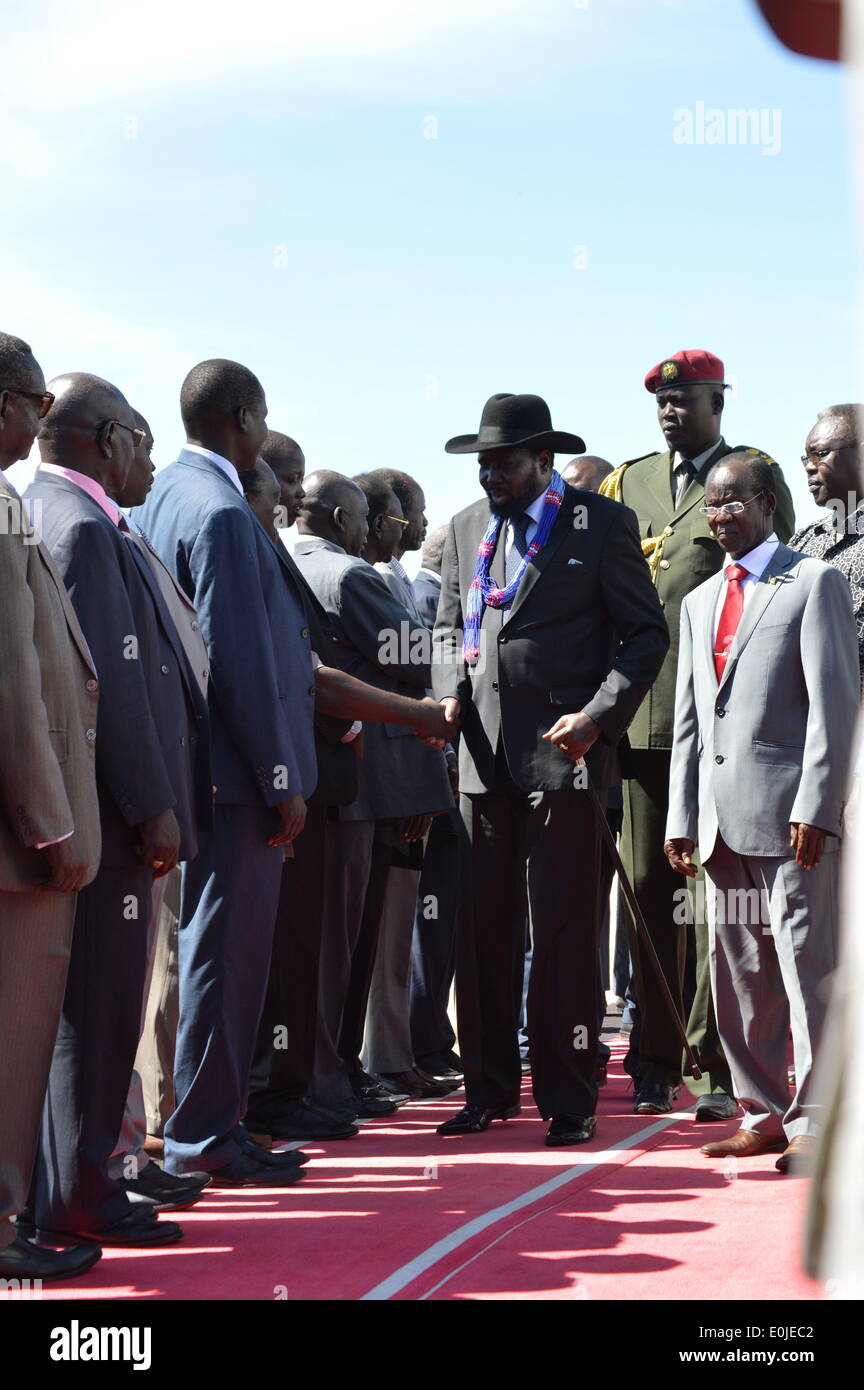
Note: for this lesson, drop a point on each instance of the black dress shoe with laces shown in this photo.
(654, 1098)
(247, 1171)
(21, 1260)
(165, 1191)
(140, 1227)
(273, 1158)
(303, 1123)
(413, 1084)
(570, 1129)
(473, 1119)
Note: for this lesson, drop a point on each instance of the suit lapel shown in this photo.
(6, 490)
(754, 610)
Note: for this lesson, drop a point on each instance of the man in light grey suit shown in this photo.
(766, 704)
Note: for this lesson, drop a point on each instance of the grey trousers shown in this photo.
(35, 939)
(152, 1088)
(773, 938)
(387, 1043)
(348, 860)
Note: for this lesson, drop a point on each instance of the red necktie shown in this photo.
(730, 617)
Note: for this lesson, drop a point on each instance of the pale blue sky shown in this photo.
(198, 179)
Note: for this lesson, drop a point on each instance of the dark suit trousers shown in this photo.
(94, 1053)
(434, 945)
(228, 912)
(555, 837)
(285, 1051)
(35, 941)
(365, 950)
(658, 890)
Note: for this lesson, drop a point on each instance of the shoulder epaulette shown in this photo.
(611, 484)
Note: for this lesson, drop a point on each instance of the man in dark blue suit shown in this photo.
(149, 717)
(261, 699)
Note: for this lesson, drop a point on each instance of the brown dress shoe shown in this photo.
(798, 1157)
(745, 1144)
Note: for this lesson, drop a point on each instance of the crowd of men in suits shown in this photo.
(257, 806)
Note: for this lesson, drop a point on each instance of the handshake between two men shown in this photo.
(345, 697)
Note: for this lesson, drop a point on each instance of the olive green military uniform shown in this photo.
(683, 555)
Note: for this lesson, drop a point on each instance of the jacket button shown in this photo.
(494, 685)
(719, 758)
(304, 632)
(92, 685)
(720, 713)
(90, 735)
(194, 625)
(182, 740)
(664, 564)
(164, 670)
(311, 690)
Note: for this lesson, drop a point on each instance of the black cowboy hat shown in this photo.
(509, 420)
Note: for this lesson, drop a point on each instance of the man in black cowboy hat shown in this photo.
(549, 634)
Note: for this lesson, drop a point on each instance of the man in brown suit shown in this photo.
(49, 816)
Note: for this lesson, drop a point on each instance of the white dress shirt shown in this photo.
(754, 562)
(225, 464)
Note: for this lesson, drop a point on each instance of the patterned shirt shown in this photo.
(844, 549)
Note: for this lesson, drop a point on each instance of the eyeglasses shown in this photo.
(817, 455)
(138, 436)
(728, 508)
(45, 398)
(399, 519)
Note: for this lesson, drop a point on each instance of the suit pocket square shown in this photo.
(574, 562)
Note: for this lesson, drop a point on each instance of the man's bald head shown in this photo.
(224, 410)
(89, 428)
(586, 472)
(334, 509)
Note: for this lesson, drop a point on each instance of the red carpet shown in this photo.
(397, 1212)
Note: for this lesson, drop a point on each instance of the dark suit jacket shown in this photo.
(49, 696)
(426, 596)
(261, 692)
(337, 762)
(150, 710)
(398, 775)
(585, 632)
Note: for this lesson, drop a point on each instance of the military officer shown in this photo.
(666, 490)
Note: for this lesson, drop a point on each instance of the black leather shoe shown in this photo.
(165, 1191)
(413, 1085)
(370, 1098)
(304, 1124)
(276, 1158)
(570, 1129)
(246, 1171)
(451, 1083)
(374, 1107)
(473, 1119)
(21, 1260)
(654, 1098)
(440, 1068)
(140, 1227)
(717, 1106)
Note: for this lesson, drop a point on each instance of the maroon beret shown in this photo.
(693, 367)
